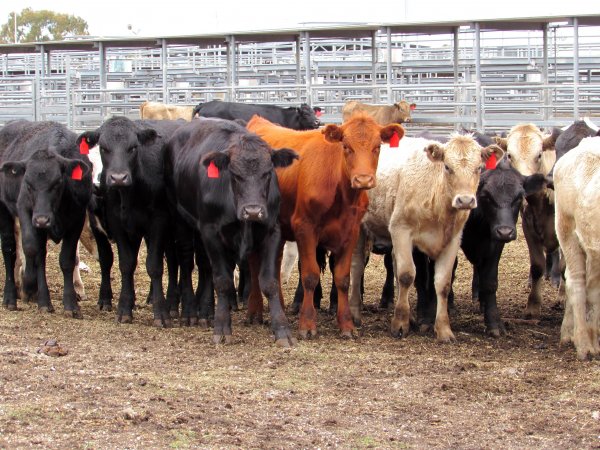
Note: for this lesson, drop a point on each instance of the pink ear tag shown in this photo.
(212, 171)
(491, 162)
(77, 173)
(84, 147)
(395, 140)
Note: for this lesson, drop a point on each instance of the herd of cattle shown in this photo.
(232, 183)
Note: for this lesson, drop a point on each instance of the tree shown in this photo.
(44, 25)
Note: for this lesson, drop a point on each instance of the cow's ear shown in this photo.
(333, 133)
(283, 157)
(535, 183)
(413, 106)
(71, 164)
(91, 137)
(13, 169)
(147, 135)
(220, 160)
(550, 141)
(501, 142)
(435, 152)
(490, 150)
(388, 131)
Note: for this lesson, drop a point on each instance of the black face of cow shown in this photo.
(119, 140)
(250, 163)
(44, 177)
(308, 118)
(500, 195)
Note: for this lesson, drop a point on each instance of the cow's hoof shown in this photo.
(204, 324)
(349, 334)
(445, 337)
(399, 329)
(254, 319)
(105, 307)
(73, 313)
(162, 323)
(424, 328)
(494, 332)
(222, 338)
(357, 321)
(188, 321)
(46, 309)
(124, 318)
(307, 334)
(174, 314)
(11, 307)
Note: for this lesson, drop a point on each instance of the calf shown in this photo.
(46, 183)
(530, 151)
(576, 180)
(324, 199)
(382, 114)
(161, 111)
(423, 199)
(222, 183)
(135, 202)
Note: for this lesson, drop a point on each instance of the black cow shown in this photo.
(46, 183)
(572, 136)
(133, 194)
(297, 118)
(490, 225)
(221, 181)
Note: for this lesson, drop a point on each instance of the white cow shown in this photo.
(425, 191)
(577, 196)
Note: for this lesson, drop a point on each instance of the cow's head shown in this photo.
(525, 146)
(500, 195)
(462, 159)
(360, 139)
(307, 118)
(402, 111)
(119, 139)
(43, 179)
(250, 163)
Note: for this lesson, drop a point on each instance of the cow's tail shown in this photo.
(196, 110)
(142, 106)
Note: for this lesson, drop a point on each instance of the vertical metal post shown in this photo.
(478, 89)
(456, 63)
(307, 71)
(575, 68)
(375, 94)
(102, 60)
(231, 67)
(69, 103)
(164, 64)
(298, 68)
(389, 74)
(545, 81)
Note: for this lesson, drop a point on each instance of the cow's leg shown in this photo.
(442, 281)
(128, 256)
(255, 311)
(68, 261)
(77, 281)
(488, 278)
(426, 299)
(173, 295)
(357, 270)
(537, 262)
(575, 327)
(106, 260)
(555, 269)
(405, 275)
(341, 277)
(20, 260)
(387, 293)
(34, 278)
(477, 307)
(155, 247)
(184, 242)
(205, 298)
(9, 253)
(290, 256)
(593, 301)
(310, 272)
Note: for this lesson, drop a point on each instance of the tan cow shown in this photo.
(383, 114)
(160, 111)
(425, 191)
(577, 196)
(530, 151)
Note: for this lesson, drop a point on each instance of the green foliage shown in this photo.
(44, 25)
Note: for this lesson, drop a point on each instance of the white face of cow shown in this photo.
(525, 146)
(462, 158)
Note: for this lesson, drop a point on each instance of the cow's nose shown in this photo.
(119, 179)
(253, 213)
(41, 221)
(506, 233)
(363, 181)
(464, 202)
(408, 119)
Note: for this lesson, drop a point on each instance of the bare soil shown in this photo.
(135, 386)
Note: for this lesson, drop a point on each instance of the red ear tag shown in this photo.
(77, 173)
(212, 171)
(413, 107)
(491, 162)
(318, 113)
(395, 140)
(84, 147)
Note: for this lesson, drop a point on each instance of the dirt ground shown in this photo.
(134, 386)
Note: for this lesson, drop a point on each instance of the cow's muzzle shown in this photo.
(118, 179)
(363, 181)
(464, 201)
(254, 213)
(505, 233)
(41, 221)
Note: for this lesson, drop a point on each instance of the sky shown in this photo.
(183, 17)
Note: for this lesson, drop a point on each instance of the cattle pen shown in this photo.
(487, 74)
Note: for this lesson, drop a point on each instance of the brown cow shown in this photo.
(383, 114)
(323, 199)
(530, 151)
(160, 111)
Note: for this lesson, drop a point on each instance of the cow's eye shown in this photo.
(376, 150)
(539, 156)
(132, 149)
(508, 156)
(448, 169)
(348, 150)
(104, 150)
